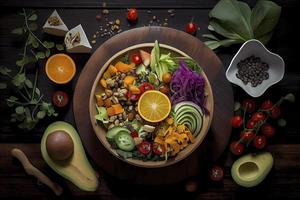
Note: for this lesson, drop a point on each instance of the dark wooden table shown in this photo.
(282, 183)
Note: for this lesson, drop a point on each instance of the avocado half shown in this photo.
(77, 168)
(251, 169)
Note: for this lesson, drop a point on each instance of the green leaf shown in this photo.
(3, 86)
(19, 79)
(20, 110)
(212, 44)
(40, 55)
(265, 38)
(102, 115)
(59, 47)
(25, 61)
(33, 41)
(37, 91)
(28, 83)
(18, 31)
(49, 44)
(264, 17)
(4, 70)
(33, 17)
(47, 53)
(10, 101)
(234, 17)
(124, 154)
(210, 36)
(41, 114)
(33, 26)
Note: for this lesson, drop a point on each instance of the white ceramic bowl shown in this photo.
(256, 48)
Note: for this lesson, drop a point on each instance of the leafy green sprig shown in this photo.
(28, 102)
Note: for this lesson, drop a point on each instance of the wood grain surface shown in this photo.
(282, 183)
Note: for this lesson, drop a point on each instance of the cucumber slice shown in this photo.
(124, 141)
(111, 133)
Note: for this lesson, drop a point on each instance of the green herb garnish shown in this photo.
(28, 102)
(237, 23)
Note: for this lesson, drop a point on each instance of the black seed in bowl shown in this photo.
(252, 70)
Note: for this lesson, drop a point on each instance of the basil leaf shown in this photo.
(40, 55)
(20, 110)
(59, 47)
(33, 17)
(4, 70)
(264, 17)
(28, 83)
(41, 114)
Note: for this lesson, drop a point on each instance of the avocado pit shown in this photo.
(59, 145)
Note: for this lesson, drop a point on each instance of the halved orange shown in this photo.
(60, 68)
(154, 106)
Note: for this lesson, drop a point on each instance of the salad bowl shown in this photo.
(101, 131)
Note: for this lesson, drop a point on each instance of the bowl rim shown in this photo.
(262, 91)
(135, 162)
(68, 58)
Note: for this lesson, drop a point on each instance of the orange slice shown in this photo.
(60, 68)
(154, 106)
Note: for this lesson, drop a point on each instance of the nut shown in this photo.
(112, 118)
(111, 126)
(108, 92)
(130, 116)
(114, 100)
(117, 122)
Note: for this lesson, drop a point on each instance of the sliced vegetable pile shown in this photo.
(153, 104)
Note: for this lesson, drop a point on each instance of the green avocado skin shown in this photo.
(77, 168)
(251, 169)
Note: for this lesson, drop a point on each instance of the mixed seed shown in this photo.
(252, 70)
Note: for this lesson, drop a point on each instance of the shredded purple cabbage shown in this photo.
(187, 85)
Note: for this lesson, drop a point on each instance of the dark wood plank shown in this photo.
(283, 181)
(154, 4)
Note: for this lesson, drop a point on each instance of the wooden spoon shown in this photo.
(31, 170)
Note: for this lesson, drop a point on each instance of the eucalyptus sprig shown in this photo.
(28, 103)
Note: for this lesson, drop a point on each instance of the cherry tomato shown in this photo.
(133, 97)
(267, 104)
(236, 121)
(132, 14)
(258, 116)
(191, 186)
(157, 148)
(260, 141)
(144, 147)
(247, 135)
(275, 112)
(136, 59)
(268, 130)
(250, 124)
(237, 148)
(60, 99)
(134, 134)
(249, 105)
(146, 86)
(191, 28)
(216, 173)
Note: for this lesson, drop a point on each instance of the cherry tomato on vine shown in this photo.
(267, 104)
(247, 135)
(236, 121)
(136, 59)
(250, 124)
(216, 173)
(144, 147)
(258, 116)
(132, 14)
(268, 130)
(237, 148)
(191, 28)
(249, 105)
(275, 112)
(260, 141)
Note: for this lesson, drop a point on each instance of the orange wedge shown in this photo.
(60, 68)
(154, 106)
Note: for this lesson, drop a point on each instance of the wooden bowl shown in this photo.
(101, 132)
